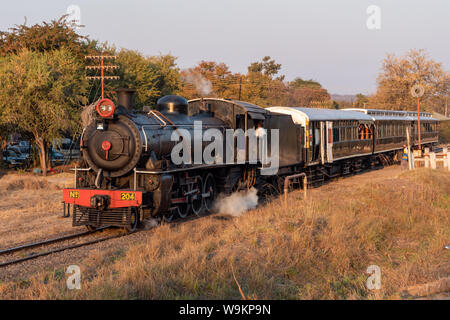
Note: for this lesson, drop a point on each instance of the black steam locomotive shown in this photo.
(127, 173)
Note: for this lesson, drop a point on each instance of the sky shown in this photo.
(340, 43)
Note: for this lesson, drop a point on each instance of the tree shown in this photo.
(309, 93)
(361, 101)
(168, 74)
(152, 77)
(262, 87)
(267, 67)
(300, 83)
(210, 78)
(41, 93)
(45, 37)
(399, 74)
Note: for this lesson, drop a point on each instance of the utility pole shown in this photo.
(102, 67)
(446, 107)
(240, 87)
(418, 121)
(417, 91)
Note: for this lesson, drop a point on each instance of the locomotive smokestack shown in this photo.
(125, 98)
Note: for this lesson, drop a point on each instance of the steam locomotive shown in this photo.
(127, 172)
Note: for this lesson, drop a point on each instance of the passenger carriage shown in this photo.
(331, 134)
(391, 128)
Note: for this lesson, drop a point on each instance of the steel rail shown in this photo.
(46, 253)
(49, 241)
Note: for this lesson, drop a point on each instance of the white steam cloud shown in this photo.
(150, 223)
(238, 202)
(202, 85)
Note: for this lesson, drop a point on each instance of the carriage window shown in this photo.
(362, 132)
(336, 134)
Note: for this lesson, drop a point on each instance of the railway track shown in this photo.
(37, 244)
(311, 183)
(42, 243)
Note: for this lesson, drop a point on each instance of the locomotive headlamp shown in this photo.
(100, 126)
(105, 108)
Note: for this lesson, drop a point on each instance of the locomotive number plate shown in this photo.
(128, 196)
(74, 194)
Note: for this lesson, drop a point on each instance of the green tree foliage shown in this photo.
(152, 77)
(300, 83)
(361, 101)
(267, 67)
(45, 37)
(399, 74)
(309, 93)
(41, 93)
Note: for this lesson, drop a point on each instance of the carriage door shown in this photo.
(329, 141)
(322, 142)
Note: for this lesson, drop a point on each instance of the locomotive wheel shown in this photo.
(209, 186)
(197, 204)
(184, 209)
(91, 228)
(134, 220)
(168, 216)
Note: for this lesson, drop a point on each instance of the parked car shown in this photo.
(57, 158)
(11, 158)
(18, 152)
(24, 146)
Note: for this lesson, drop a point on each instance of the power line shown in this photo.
(102, 67)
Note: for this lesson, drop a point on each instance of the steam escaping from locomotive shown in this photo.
(238, 202)
(202, 85)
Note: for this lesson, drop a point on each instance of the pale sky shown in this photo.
(326, 40)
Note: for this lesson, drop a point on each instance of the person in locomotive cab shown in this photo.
(405, 157)
(259, 130)
(261, 133)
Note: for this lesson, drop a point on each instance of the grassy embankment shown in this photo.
(317, 248)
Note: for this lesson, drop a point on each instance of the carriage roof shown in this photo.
(303, 115)
(379, 114)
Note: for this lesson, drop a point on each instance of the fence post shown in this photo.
(433, 160)
(448, 161)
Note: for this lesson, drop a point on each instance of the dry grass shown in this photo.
(317, 248)
(29, 206)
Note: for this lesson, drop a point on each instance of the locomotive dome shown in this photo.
(172, 104)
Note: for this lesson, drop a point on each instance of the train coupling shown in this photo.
(100, 202)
